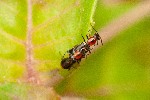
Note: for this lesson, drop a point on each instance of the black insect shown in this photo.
(80, 51)
(75, 55)
(67, 63)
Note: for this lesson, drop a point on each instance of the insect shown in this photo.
(75, 55)
(93, 39)
(80, 51)
(67, 63)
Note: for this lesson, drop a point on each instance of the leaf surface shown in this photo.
(32, 33)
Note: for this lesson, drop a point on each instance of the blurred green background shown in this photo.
(119, 70)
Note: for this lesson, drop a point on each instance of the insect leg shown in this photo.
(94, 28)
(101, 40)
(87, 37)
(83, 37)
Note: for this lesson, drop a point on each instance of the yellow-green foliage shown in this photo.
(119, 70)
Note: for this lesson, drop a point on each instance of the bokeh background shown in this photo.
(118, 70)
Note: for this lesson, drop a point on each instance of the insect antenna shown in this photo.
(94, 28)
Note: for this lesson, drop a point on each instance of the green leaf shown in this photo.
(33, 32)
(12, 34)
